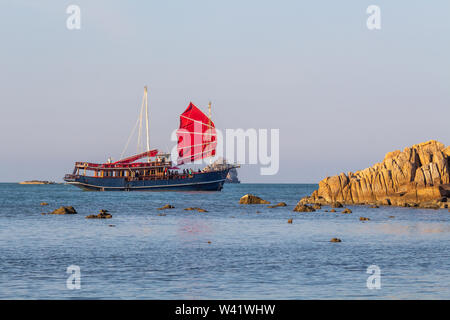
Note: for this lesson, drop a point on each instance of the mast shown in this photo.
(209, 126)
(146, 118)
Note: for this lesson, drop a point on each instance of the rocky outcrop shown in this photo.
(416, 175)
(251, 199)
(102, 215)
(232, 176)
(37, 182)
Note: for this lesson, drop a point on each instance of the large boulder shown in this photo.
(64, 210)
(251, 199)
(417, 174)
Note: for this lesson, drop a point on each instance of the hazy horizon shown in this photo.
(341, 95)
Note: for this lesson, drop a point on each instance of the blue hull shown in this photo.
(205, 181)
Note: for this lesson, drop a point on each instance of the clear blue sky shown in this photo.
(341, 95)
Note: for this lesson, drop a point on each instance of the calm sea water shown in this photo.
(251, 255)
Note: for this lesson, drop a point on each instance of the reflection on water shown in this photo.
(231, 251)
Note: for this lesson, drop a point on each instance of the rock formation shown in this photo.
(414, 176)
(102, 215)
(251, 199)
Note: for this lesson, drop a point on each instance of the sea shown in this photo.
(232, 251)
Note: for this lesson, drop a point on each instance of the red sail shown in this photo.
(196, 136)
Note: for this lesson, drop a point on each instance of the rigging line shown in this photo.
(129, 139)
(139, 143)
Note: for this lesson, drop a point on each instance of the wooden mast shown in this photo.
(146, 120)
(209, 125)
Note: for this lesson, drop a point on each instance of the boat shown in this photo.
(153, 170)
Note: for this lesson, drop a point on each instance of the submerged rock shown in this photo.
(303, 208)
(167, 206)
(195, 208)
(335, 240)
(363, 219)
(252, 199)
(64, 210)
(279, 204)
(44, 204)
(290, 221)
(346, 210)
(414, 176)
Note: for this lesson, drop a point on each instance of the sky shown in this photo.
(341, 95)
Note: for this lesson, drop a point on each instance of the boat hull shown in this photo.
(204, 181)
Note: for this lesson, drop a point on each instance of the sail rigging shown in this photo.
(196, 136)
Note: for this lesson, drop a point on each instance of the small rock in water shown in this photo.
(374, 206)
(335, 240)
(64, 210)
(195, 208)
(363, 219)
(111, 225)
(303, 208)
(346, 210)
(333, 210)
(102, 215)
(251, 199)
(209, 242)
(290, 221)
(280, 204)
(44, 204)
(161, 214)
(391, 217)
(167, 206)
